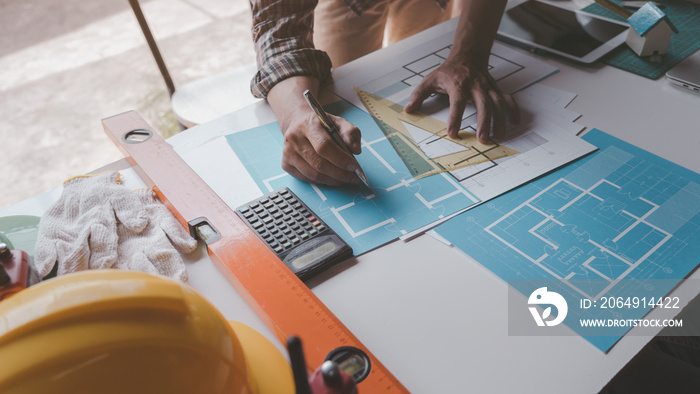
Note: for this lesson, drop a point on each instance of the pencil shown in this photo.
(330, 128)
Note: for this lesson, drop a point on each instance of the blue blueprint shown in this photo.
(365, 219)
(610, 224)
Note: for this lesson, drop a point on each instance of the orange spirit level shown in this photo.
(278, 296)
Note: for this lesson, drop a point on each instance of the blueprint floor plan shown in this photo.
(543, 140)
(602, 226)
(395, 80)
(365, 219)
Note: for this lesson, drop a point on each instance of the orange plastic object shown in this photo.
(279, 298)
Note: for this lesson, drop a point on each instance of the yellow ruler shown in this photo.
(390, 117)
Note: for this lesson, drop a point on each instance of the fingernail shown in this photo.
(351, 167)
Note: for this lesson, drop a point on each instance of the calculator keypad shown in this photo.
(298, 237)
(285, 223)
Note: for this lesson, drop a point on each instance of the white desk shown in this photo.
(438, 320)
(434, 318)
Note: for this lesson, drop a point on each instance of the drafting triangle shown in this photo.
(392, 119)
(432, 145)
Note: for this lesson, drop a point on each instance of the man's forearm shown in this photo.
(286, 97)
(476, 30)
(283, 38)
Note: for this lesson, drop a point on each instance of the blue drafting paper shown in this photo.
(365, 219)
(619, 213)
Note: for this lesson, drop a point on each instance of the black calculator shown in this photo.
(299, 238)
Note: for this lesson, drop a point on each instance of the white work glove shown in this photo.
(79, 231)
(153, 250)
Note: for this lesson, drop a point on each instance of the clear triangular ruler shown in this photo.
(434, 154)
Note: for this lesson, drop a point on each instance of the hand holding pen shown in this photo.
(332, 130)
(309, 153)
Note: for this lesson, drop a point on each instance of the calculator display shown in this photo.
(314, 254)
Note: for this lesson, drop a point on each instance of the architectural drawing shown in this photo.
(394, 72)
(422, 142)
(397, 85)
(613, 224)
(365, 219)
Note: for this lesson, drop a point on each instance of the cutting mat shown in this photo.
(684, 15)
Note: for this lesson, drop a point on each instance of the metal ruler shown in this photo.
(390, 117)
(281, 300)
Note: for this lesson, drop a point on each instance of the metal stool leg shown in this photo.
(136, 7)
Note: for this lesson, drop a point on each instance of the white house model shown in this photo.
(650, 31)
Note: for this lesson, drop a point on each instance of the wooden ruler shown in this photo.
(281, 300)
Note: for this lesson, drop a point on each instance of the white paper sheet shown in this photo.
(394, 77)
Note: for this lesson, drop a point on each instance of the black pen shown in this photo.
(330, 128)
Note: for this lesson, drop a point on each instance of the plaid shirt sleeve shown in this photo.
(283, 37)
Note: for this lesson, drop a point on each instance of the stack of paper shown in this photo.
(544, 140)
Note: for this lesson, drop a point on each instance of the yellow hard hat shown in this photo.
(111, 331)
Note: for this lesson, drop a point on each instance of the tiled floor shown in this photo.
(66, 64)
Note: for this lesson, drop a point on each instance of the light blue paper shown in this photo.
(365, 219)
(624, 212)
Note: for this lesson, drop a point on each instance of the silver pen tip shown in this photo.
(363, 178)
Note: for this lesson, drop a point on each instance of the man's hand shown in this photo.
(464, 75)
(309, 153)
(463, 82)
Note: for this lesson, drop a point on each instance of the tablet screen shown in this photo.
(564, 30)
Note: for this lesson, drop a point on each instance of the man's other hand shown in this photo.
(464, 82)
